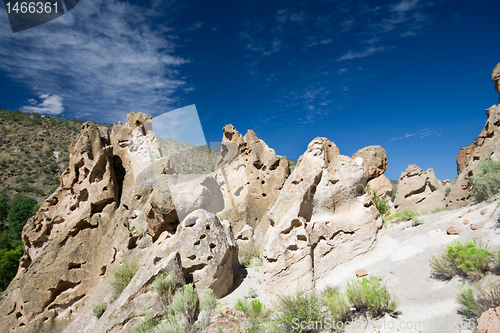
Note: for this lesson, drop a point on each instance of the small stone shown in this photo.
(453, 231)
(361, 272)
(224, 311)
(474, 226)
(466, 222)
(392, 272)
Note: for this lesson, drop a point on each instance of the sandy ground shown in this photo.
(401, 257)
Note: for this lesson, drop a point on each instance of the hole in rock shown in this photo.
(210, 258)
(192, 257)
(196, 243)
(132, 242)
(302, 238)
(119, 174)
(212, 245)
(99, 169)
(258, 164)
(203, 236)
(156, 260)
(103, 271)
(295, 224)
(83, 195)
(74, 265)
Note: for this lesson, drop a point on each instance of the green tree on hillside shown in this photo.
(11, 252)
(18, 215)
(4, 208)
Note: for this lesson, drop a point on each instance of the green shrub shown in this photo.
(407, 215)
(19, 214)
(186, 306)
(252, 293)
(437, 210)
(123, 274)
(479, 299)
(380, 202)
(337, 304)
(415, 222)
(302, 306)
(486, 182)
(470, 259)
(255, 311)
(149, 321)
(249, 258)
(208, 304)
(442, 267)
(369, 295)
(447, 190)
(164, 286)
(99, 308)
(9, 262)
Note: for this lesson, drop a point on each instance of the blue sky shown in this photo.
(413, 76)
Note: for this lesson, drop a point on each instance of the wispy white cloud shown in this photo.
(347, 25)
(103, 55)
(266, 47)
(51, 105)
(420, 134)
(353, 55)
(404, 6)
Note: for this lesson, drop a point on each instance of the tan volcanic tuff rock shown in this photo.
(419, 191)
(486, 144)
(318, 221)
(382, 185)
(373, 159)
(490, 321)
(495, 77)
(251, 177)
(99, 217)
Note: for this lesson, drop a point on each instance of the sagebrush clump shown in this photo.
(480, 298)
(250, 258)
(256, 312)
(381, 202)
(302, 306)
(486, 182)
(164, 286)
(123, 274)
(99, 308)
(370, 296)
(470, 259)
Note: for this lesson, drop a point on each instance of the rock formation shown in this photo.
(105, 212)
(373, 159)
(251, 177)
(382, 185)
(319, 220)
(495, 77)
(486, 144)
(492, 317)
(419, 191)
